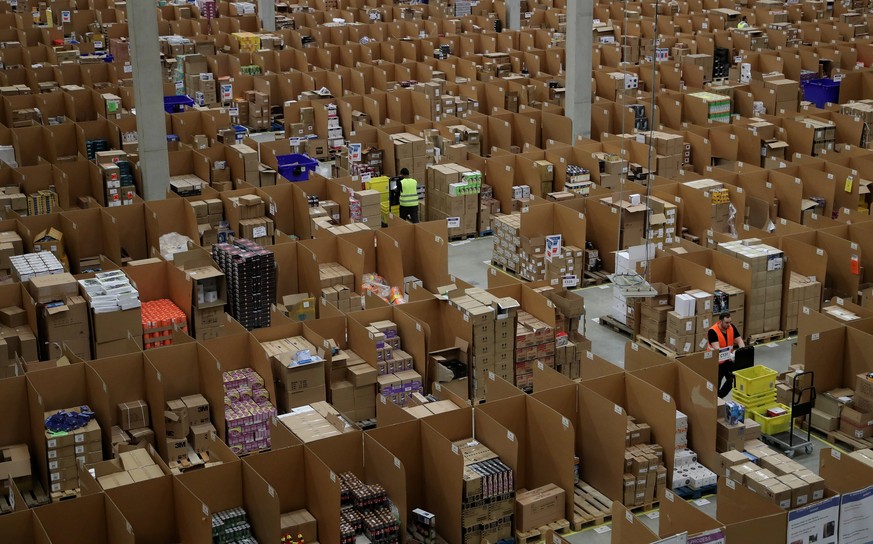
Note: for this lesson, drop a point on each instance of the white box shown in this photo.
(685, 305)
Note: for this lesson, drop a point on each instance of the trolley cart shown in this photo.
(802, 401)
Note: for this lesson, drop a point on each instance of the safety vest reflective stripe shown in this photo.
(408, 192)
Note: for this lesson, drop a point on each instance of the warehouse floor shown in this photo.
(468, 260)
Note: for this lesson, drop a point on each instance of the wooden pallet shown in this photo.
(645, 507)
(789, 334)
(505, 268)
(839, 438)
(765, 337)
(561, 527)
(59, 496)
(590, 278)
(590, 507)
(657, 347)
(611, 323)
(35, 496)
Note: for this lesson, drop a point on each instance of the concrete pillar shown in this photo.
(577, 106)
(513, 14)
(148, 89)
(267, 14)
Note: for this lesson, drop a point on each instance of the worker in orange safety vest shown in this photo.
(722, 337)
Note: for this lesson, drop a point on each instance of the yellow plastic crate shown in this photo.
(772, 425)
(754, 401)
(755, 380)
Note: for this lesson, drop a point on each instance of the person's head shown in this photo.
(744, 19)
(404, 172)
(724, 321)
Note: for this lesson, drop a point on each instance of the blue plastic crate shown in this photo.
(296, 167)
(821, 91)
(176, 104)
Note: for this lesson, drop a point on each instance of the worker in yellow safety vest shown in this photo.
(743, 24)
(408, 197)
(721, 338)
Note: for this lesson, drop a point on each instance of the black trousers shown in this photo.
(409, 213)
(725, 378)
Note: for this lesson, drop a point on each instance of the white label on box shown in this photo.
(52, 454)
(709, 386)
(454, 449)
(454, 222)
(259, 232)
(333, 476)
(570, 281)
(491, 376)
(80, 449)
(814, 337)
(55, 476)
(52, 443)
(617, 409)
(666, 397)
(79, 438)
(730, 483)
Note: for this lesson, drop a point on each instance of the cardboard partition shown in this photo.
(602, 228)
(124, 230)
(678, 516)
(355, 252)
(747, 516)
(22, 526)
(161, 521)
(627, 529)
(166, 216)
(325, 461)
(173, 372)
(222, 487)
(412, 337)
(233, 352)
(159, 280)
(393, 459)
(86, 520)
(285, 255)
(284, 472)
(602, 414)
(546, 443)
(54, 389)
(113, 381)
(821, 348)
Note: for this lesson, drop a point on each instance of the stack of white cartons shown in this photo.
(687, 471)
(626, 263)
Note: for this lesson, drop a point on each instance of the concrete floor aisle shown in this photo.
(468, 260)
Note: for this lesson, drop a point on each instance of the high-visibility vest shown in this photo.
(743, 24)
(409, 192)
(724, 341)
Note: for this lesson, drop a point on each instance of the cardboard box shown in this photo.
(539, 507)
(133, 415)
(198, 409)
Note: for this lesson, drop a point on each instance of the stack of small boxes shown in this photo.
(803, 292)
(298, 372)
(688, 323)
(507, 241)
(133, 424)
(453, 192)
(731, 299)
(232, 527)
(719, 196)
(31, 265)
(353, 384)
(534, 341)
(687, 472)
(257, 105)
(251, 281)
(159, 319)
(578, 180)
(248, 42)
(118, 180)
(42, 202)
(397, 380)
(488, 501)
(644, 471)
(364, 207)
(493, 320)
(653, 315)
(253, 223)
(187, 425)
(765, 297)
(65, 450)
(566, 266)
(210, 214)
(247, 412)
(774, 477)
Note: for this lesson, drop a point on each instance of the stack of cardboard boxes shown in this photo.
(115, 312)
(688, 323)
(803, 292)
(251, 281)
(566, 266)
(209, 214)
(187, 425)
(653, 314)
(644, 472)
(775, 477)
(159, 319)
(250, 213)
(342, 297)
(824, 134)
(721, 204)
(66, 449)
(539, 507)
(134, 425)
(353, 386)
(410, 152)
(625, 306)
(534, 341)
(493, 320)
(731, 299)
(507, 241)
(857, 420)
(687, 471)
(127, 468)
(765, 298)
(299, 375)
(453, 194)
(488, 500)
(364, 207)
(61, 314)
(397, 379)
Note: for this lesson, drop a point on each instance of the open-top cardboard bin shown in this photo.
(163, 520)
(93, 519)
